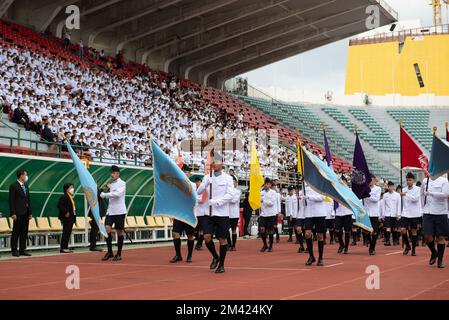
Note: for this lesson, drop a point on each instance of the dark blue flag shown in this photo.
(361, 177)
(329, 159)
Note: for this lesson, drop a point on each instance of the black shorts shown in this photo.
(375, 223)
(435, 225)
(200, 223)
(318, 222)
(330, 223)
(409, 223)
(118, 221)
(291, 222)
(391, 222)
(180, 227)
(299, 222)
(268, 222)
(233, 223)
(343, 222)
(218, 226)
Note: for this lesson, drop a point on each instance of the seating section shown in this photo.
(379, 137)
(416, 122)
(263, 118)
(301, 117)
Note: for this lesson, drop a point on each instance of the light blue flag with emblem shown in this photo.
(174, 194)
(439, 158)
(320, 177)
(90, 189)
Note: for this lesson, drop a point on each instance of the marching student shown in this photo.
(268, 215)
(275, 187)
(411, 213)
(392, 212)
(372, 205)
(291, 202)
(299, 222)
(330, 221)
(234, 214)
(315, 215)
(116, 213)
(343, 221)
(434, 196)
(217, 222)
(179, 227)
(201, 210)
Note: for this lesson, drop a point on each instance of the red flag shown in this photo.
(411, 154)
(180, 163)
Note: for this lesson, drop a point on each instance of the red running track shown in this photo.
(145, 273)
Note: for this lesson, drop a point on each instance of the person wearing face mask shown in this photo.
(67, 215)
(20, 209)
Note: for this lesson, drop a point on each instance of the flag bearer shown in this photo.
(217, 222)
(372, 204)
(315, 215)
(343, 221)
(434, 196)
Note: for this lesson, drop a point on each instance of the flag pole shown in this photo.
(447, 132)
(300, 161)
(401, 121)
(434, 129)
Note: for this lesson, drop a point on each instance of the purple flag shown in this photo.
(361, 176)
(329, 159)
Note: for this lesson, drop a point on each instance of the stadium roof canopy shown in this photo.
(207, 41)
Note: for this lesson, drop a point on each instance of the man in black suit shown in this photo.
(20, 210)
(67, 215)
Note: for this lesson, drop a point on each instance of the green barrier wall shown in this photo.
(48, 175)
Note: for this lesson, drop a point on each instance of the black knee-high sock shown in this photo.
(229, 240)
(431, 246)
(405, 240)
(340, 238)
(211, 247)
(109, 242)
(354, 236)
(199, 241)
(373, 241)
(120, 240)
(271, 237)
(387, 236)
(368, 238)
(441, 247)
(298, 234)
(309, 243)
(331, 235)
(190, 244)
(324, 236)
(290, 233)
(223, 250)
(300, 239)
(414, 241)
(177, 244)
(320, 249)
(347, 237)
(263, 235)
(234, 239)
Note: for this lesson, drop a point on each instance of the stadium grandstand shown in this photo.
(137, 72)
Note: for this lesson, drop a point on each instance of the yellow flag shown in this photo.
(255, 179)
(299, 157)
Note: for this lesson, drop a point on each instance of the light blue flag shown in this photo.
(90, 189)
(174, 194)
(439, 158)
(323, 179)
